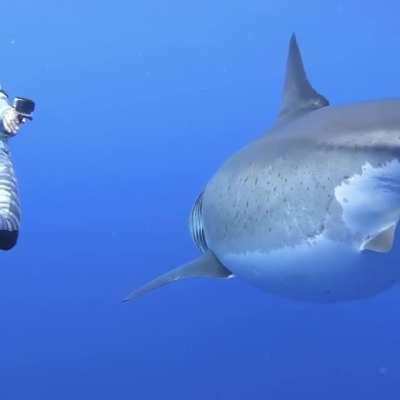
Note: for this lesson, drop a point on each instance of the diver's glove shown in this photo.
(11, 121)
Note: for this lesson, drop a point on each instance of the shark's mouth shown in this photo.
(196, 224)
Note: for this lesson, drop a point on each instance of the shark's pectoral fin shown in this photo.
(382, 242)
(206, 266)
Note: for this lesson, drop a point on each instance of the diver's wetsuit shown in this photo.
(9, 203)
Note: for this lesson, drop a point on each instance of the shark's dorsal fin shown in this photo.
(299, 96)
(382, 242)
(206, 266)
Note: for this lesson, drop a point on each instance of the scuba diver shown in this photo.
(11, 118)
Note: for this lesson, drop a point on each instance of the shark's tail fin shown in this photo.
(206, 266)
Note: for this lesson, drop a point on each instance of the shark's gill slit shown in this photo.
(196, 224)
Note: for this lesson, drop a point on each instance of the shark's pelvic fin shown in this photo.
(299, 96)
(206, 266)
(383, 241)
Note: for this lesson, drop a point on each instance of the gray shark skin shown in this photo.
(309, 210)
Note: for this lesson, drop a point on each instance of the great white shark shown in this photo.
(309, 210)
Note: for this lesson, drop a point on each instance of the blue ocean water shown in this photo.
(137, 104)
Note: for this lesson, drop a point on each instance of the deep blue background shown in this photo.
(138, 104)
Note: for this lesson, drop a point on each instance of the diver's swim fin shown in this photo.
(206, 266)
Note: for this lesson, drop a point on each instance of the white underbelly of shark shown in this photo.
(322, 271)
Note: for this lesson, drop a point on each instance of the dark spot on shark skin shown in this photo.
(327, 292)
